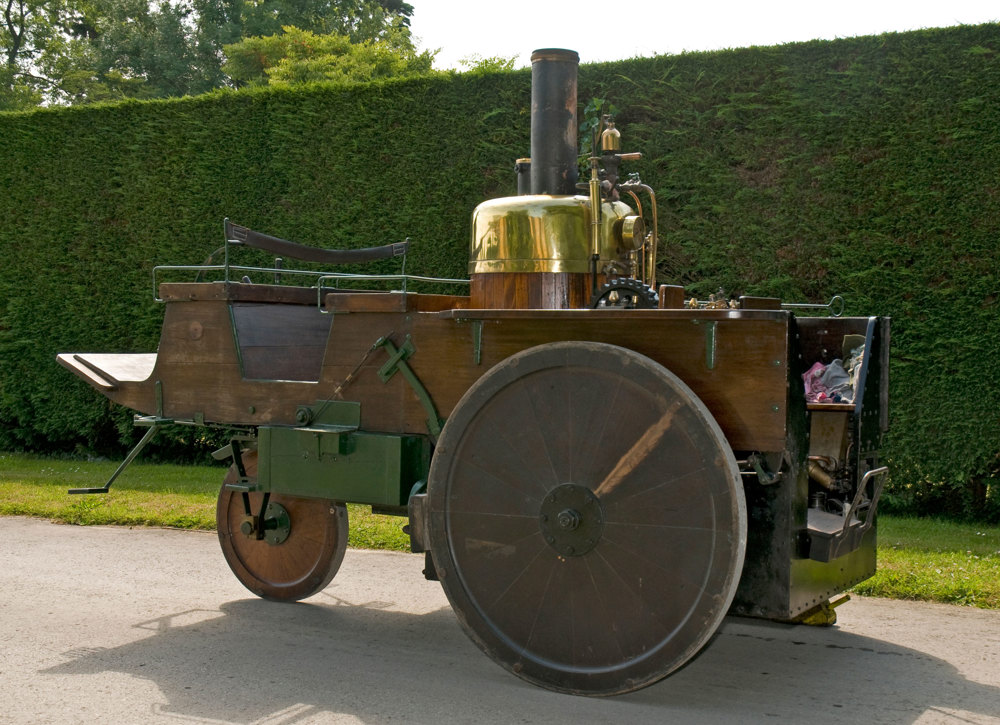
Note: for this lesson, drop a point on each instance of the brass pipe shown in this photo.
(638, 209)
(651, 252)
(595, 221)
(820, 476)
(635, 198)
(656, 237)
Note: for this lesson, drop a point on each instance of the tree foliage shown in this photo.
(300, 56)
(83, 51)
(134, 49)
(476, 63)
(32, 32)
(359, 20)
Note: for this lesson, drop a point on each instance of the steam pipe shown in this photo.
(553, 121)
(651, 252)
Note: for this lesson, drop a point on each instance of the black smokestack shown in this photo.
(553, 121)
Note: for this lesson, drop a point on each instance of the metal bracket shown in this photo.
(764, 476)
(275, 528)
(710, 345)
(153, 428)
(234, 450)
(477, 341)
(397, 357)
(397, 361)
(476, 327)
(418, 527)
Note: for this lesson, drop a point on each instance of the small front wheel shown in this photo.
(298, 556)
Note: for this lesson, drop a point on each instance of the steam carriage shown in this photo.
(596, 469)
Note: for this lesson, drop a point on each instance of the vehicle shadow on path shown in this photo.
(254, 661)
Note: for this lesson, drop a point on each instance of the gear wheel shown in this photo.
(625, 293)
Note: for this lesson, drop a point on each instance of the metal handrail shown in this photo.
(835, 305)
(320, 276)
(859, 499)
(377, 277)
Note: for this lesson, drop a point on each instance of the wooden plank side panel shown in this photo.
(741, 377)
(199, 372)
(352, 363)
(197, 332)
(238, 291)
(218, 393)
(392, 302)
(745, 387)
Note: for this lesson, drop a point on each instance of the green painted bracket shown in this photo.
(710, 345)
(710, 342)
(397, 357)
(397, 361)
(477, 341)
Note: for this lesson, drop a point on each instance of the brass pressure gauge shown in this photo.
(633, 233)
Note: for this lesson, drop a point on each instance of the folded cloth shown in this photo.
(829, 383)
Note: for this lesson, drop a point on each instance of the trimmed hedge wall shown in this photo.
(866, 167)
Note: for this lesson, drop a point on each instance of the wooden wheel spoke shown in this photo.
(517, 492)
(674, 579)
(683, 502)
(493, 566)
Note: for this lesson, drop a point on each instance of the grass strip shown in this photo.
(938, 561)
(921, 559)
(147, 495)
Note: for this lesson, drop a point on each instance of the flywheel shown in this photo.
(625, 293)
(302, 546)
(587, 518)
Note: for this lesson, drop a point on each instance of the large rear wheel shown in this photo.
(587, 518)
(300, 552)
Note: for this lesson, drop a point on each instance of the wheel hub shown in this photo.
(571, 519)
(277, 525)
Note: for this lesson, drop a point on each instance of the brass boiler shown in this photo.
(535, 251)
(543, 249)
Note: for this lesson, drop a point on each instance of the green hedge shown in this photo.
(866, 167)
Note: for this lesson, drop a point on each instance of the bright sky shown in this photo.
(602, 31)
